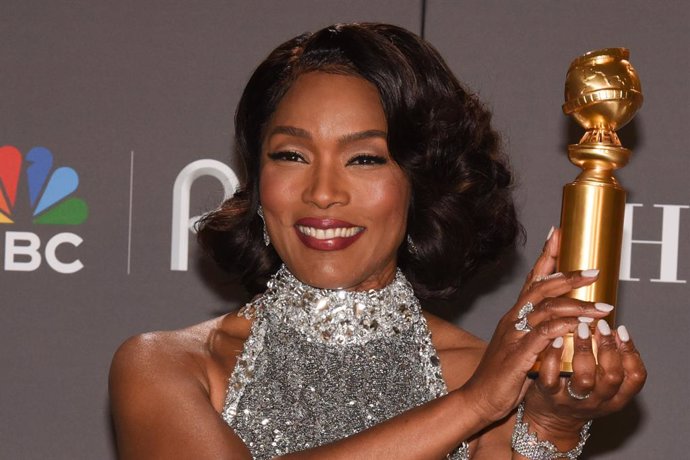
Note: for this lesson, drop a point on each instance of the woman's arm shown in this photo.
(160, 404)
(162, 408)
(606, 384)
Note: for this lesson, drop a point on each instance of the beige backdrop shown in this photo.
(130, 93)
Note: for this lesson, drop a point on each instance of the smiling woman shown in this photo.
(333, 197)
(374, 180)
(424, 122)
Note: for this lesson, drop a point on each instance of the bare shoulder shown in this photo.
(458, 350)
(201, 354)
(168, 386)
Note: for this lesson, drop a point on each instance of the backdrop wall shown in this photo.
(122, 96)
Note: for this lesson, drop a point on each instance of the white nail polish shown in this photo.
(558, 342)
(601, 306)
(603, 327)
(623, 334)
(585, 319)
(548, 237)
(583, 330)
(590, 273)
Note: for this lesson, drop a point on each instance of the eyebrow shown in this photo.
(290, 131)
(371, 133)
(347, 138)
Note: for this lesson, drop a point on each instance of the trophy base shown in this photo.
(566, 358)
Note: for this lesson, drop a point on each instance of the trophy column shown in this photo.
(603, 93)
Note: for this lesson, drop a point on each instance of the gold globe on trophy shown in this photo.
(603, 93)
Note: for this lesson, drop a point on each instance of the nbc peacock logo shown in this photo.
(48, 200)
(49, 191)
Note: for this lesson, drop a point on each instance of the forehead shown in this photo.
(320, 100)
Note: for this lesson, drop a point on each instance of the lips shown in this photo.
(327, 234)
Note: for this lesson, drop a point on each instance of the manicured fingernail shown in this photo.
(585, 319)
(583, 330)
(603, 327)
(558, 342)
(591, 273)
(623, 334)
(548, 237)
(601, 306)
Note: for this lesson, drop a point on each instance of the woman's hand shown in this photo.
(557, 407)
(500, 381)
(561, 405)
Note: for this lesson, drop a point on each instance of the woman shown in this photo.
(373, 179)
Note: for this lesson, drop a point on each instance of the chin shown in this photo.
(350, 269)
(326, 278)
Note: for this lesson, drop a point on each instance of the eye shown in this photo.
(367, 160)
(286, 156)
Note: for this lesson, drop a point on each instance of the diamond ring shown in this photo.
(521, 324)
(574, 395)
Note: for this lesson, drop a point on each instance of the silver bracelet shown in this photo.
(528, 445)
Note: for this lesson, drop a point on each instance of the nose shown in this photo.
(326, 186)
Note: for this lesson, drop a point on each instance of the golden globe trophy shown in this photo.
(603, 93)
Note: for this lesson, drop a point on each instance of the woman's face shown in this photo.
(334, 201)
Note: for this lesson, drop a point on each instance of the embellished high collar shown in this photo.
(337, 316)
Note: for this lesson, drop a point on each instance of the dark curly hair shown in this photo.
(461, 213)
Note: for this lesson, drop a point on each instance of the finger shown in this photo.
(635, 373)
(546, 262)
(584, 366)
(549, 379)
(540, 337)
(555, 286)
(556, 307)
(634, 370)
(610, 369)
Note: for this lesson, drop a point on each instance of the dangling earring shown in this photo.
(411, 247)
(260, 212)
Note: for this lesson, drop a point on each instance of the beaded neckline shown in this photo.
(310, 371)
(338, 316)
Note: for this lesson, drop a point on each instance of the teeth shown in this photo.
(329, 233)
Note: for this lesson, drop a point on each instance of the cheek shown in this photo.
(391, 198)
(274, 190)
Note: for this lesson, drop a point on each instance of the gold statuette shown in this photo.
(603, 93)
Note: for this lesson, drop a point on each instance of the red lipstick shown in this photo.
(326, 234)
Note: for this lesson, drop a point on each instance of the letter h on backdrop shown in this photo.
(669, 242)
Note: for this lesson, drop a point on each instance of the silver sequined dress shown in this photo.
(321, 365)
